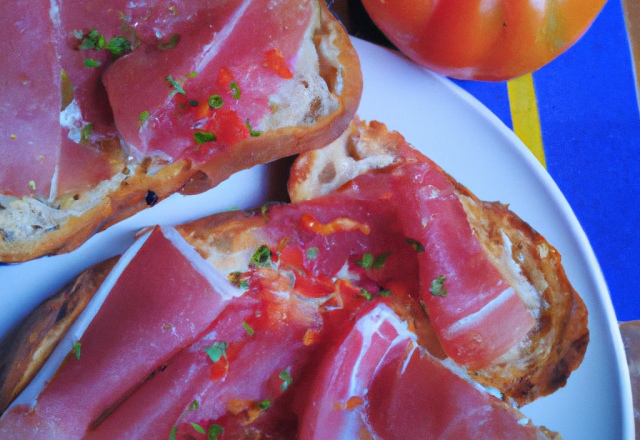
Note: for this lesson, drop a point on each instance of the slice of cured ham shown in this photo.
(379, 384)
(30, 98)
(164, 299)
(475, 310)
(243, 64)
(232, 374)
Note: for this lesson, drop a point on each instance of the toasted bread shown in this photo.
(32, 227)
(557, 343)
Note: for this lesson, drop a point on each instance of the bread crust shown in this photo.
(556, 345)
(27, 346)
(340, 68)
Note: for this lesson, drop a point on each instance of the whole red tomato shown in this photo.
(491, 40)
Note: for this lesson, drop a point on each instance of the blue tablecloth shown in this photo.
(590, 127)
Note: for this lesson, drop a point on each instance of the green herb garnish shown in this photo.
(176, 86)
(252, 132)
(174, 431)
(287, 380)
(198, 428)
(236, 279)
(235, 90)
(416, 245)
(203, 136)
(378, 263)
(247, 328)
(215, 101)
(194, 406)
(217, 350)
(76, 349)
(366, 294)
(175, 38)
(90, 62)
(144, 116)
(86, 132)
(32, 185)
(215, 431)
(193, 103)
(118, 46)
(366, 262)
(265, 404)
(261, 257)
(384, 292)
(312, 253)
(437, 287)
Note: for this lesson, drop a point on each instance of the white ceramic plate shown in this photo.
(471, 143)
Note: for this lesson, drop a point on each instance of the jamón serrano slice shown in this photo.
(163, 300)
(378, 383)
(526, 336)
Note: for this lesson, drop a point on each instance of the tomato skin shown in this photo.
(492, 40)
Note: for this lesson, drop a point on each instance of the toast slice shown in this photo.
(326, 84)
(556, 344)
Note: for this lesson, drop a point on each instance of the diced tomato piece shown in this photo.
(276, 63)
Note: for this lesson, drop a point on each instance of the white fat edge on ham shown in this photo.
(54, 16)
(368, 326)
(30, 394)
(504, 262)
(460, 325)
(217, 280)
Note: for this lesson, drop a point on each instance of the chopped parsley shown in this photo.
(235, 90)
(217, 350)
(118, 46)
(144, 116)
(204, 136)
(192, 74)
(237, 280)
(194, 406)
(90, 62)
(193, 103)
(76, 349)
(366, 294)
(287, 380)
(416, 245)
(265, 207)
(176, 86)
(437, 287)
(252, 132)
(312, 253)
(198, 428)
(247, 328)
(265, 404)
(261, 257)
(214, 431)
(215, 101)
(92, 41)
(378, 263)
(175, 38)
(32, 185)
(86, 132)
(366, 262)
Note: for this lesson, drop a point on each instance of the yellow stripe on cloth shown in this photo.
(524, 114)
